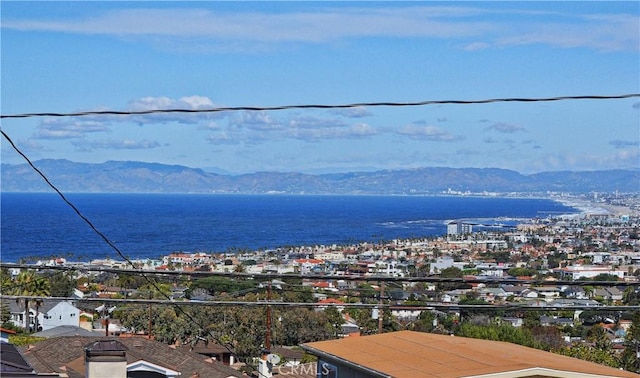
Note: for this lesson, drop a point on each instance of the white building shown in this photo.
(457, 228)
(50, 314)
(574, 272)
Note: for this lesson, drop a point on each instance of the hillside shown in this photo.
(138, 177)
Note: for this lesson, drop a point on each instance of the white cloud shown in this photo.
(474, 27)
(189, 102)
(260, 126)
(313, 129)
(256, 120)
(600, 32)
(194, 102)
(626, 159)
(303, 26)
(624, 143)
(505, 127)
(68, 128)
(354, 112)
(475, 46)
(222, 138)
(427, 132)
(116, 144)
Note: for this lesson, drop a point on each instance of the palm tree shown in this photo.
(28, 284)
(40, 288)
(23, 283)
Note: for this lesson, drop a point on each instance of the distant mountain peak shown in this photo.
(143, 177)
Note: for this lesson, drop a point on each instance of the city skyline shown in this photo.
(68, 57)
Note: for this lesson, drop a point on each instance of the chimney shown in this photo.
(105, 359)
(264, 365)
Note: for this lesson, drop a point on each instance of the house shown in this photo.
(50, 314)
(555, 321)
(214, 351)
(13, 363)
(417, 354)
(493, 294)
(576, 272)
(58, 313)
(88, 357)
(330, 302)
(548, 292)
(67, 330)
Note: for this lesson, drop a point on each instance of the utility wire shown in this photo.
(325, 277)
(251, 108)
(263, 303)
(98, 232)
(69, 203)
(319, 106)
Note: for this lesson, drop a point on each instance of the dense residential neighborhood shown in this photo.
(567, 284)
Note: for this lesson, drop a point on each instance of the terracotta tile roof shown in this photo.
(66, 354)
(331, 301)
(309, 261)
(416, 354)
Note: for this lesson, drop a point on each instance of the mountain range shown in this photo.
(140, 177)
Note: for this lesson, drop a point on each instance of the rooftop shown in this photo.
(418, 354)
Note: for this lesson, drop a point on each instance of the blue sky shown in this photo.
(79, 56)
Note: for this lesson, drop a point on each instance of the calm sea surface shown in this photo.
(152, 225)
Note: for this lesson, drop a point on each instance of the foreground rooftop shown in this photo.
(417, 354)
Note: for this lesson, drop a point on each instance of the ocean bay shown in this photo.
(153, 225)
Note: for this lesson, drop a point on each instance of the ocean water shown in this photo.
(153, 225)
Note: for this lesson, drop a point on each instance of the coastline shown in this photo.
(591, 208)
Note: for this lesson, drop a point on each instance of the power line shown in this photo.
(66, 201)
(319, 106)
(284, 107)
(98, 232)
(264, 303)
(324, 277)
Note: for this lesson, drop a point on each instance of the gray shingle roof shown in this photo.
(67, 354)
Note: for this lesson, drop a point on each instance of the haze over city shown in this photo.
(82, 56)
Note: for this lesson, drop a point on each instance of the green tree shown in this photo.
(587, 353)
(598, 336)
(630, 358)
(424, 322)
(451, 272)
(157, 291)
(218, 285)
(519, 272)
(364, 319)
(631, 296)
(5, 315)
(605, 277)
(296, 326)
(499, 332)
(29, 284)
(61, 284)
(40, 288)
(334, 320)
